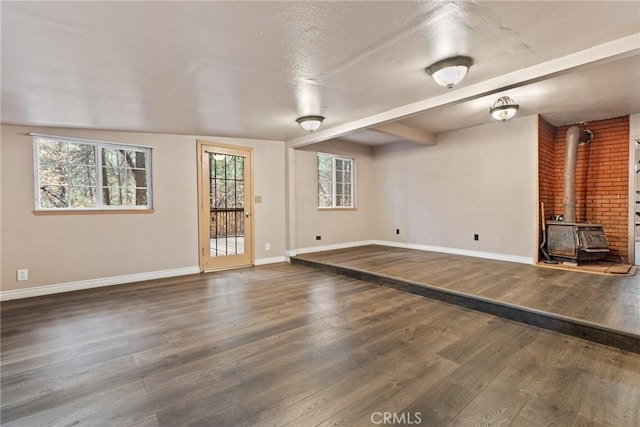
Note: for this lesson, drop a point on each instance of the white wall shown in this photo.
(70, 248)
(477, 180)
(1, 227)
(634, 126)
(335, 226)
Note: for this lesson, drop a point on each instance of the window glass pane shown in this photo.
(54, 196)
(112, 157)
(129, 197)
(83, 197)
(68, 175)
(127, 178)
(134, 196)
(343, 189)
(338, 182)
(325, 176)
(343, 201)
(142, 196)
(136, 159)
(51, 151)
(346, 176)
(325, 181)
(112, 196)
(82, 154)
(122, 161)
(53, 174)
(324, 163)
(324, 194)
(138, 178)
(82, 175)
(113, 177)
(325, 200)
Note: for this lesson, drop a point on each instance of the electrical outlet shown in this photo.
(267, 246)
(318, 237)
(397, 231)
(22, 275)
(258, 199)
(476, 237)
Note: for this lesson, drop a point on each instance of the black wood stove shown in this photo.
(576, 242)
(569, 240)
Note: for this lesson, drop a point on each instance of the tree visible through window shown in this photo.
(335, 181)
(80, 174)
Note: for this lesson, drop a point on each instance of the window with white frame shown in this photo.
(77, 174)
(335, 181)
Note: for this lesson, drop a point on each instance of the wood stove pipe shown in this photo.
(575, 137)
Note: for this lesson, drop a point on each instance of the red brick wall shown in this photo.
(546, 165)
(602, 179)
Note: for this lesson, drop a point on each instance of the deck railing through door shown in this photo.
(227, 222)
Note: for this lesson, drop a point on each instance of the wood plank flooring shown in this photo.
(289, 345)
(611, 301)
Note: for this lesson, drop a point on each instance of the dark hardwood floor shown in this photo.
(609, 300)
(289, 345)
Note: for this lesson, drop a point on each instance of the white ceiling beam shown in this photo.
(407, 133)
(616, 49)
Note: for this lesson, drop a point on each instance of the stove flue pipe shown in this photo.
(575, 137)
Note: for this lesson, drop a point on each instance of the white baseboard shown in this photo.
(442, 249)
(37, 291)
(138, 277)
(272, 260)
(328, 247)
(456, 251)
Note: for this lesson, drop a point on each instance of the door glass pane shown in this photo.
(226, 196)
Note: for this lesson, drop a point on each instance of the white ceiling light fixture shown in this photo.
(310, 123)
(504, 108)
(450, 71)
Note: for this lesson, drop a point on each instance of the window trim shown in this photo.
(335, 157)
(100, 207)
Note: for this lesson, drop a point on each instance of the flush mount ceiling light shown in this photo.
(504, 108)
(450, 71)
(310, 123)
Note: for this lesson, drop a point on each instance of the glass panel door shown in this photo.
(225, 209)
(226, 204)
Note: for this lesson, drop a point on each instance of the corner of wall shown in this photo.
(634, 126)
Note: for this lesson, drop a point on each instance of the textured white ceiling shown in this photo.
(249, 69)
(601, 91)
